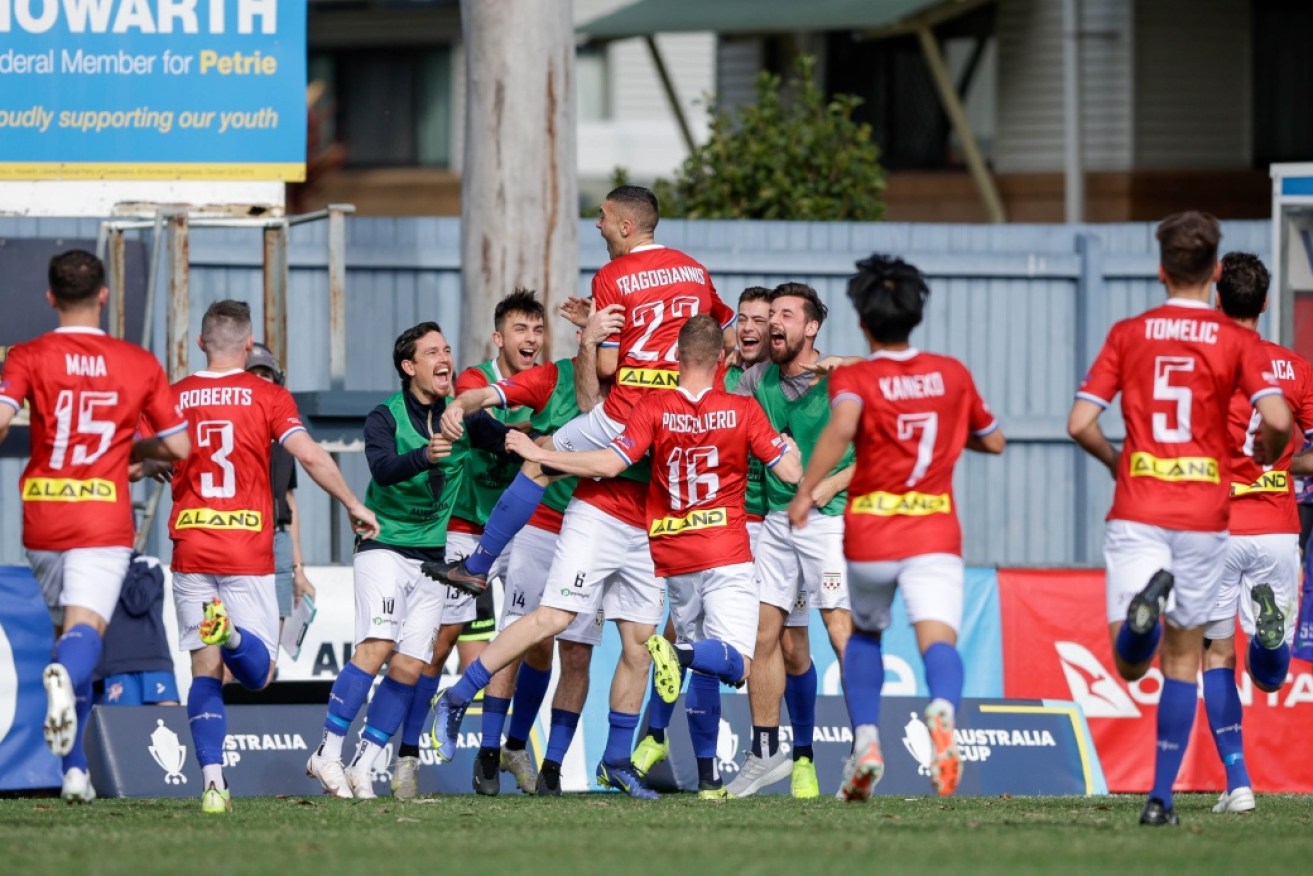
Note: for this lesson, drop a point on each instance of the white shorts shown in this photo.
(1256, 559)
(252, 602)
(460, 606)
(602, 563)
(89, 578)
(397, 602)
(593, 430)
(531, 554)
(932, 586)
(719, 604)
(1134, 551)
(797, 569)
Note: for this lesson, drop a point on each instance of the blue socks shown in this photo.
(863, 678)
(78, 651)
(425, 688)
(702, 706)
(78, 756)
(800, 699)
(530, 689)
(659, 711)
(1175, 718)
(712, 657)
(1268, 667)
(248, 662)
(943, 673)
(209, 721)
(564, 723)
(1222, 703)
(513, 510)
(1133, 648)
(346, 698)
(620, 736)
(387, 710)
(494, 719)
(475, 679)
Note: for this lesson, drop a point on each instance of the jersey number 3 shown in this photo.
(217, 434)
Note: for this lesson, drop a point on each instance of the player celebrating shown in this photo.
(1176, 367)
(1260, 581)
(700, 438)
(222, 528)
(88, 394)
(659, 289)
(910, 414)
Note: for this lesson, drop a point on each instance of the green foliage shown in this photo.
(791, 155)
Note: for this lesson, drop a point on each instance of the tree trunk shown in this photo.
(519, 184)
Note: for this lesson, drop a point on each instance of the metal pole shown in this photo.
(179, 284)
(275, 291)
(1073, 164)
(672, 97)
(337, 214)
(116, 274)
(152, 282)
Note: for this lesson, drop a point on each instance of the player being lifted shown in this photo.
(222, 528)
(910, 414)
(700, 438)
(88, 394)
(1177, 367)
(659, 289)
(1260, 582)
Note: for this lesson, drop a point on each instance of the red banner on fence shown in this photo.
(1055, 645)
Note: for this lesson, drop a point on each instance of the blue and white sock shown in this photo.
(78, 651)
(620, 736)
(386, 712)
(1225, 716)
(564, 725)
(1268, 667)
(420, 707)
(659, 712)
(800, 699)
(863, 677)
(77, 756)
(944, 673)
(712, 657)
(248, 661)
(702, 706)
(475, 679)
(209, 727)
(494, 719)
(1176, 709)
(513, 510)
(344, 702)
(530, 691)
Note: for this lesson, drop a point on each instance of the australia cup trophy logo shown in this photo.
(169, 753)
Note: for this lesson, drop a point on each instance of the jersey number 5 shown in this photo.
(1164, 368)
(87, 402)
(217, 434)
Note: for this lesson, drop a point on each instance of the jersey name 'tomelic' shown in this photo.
(660, 288)
(222, 520)
(700, 449)
(89, 393)
(1263, 497)
(1176, 367)
(918, 410)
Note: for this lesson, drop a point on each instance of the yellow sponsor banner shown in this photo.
(35, 170)
(1269, 482)
(913, 504)
(209, 518)
(69, 490)
(1197, 469)
(649, 378)
(703, 518)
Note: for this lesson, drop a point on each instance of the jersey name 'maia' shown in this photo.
(627, 283)
(80, 365)
(704, 422)
(1162, 329)
(215, 395)
(901, 386)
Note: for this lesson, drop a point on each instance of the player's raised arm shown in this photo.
(324, 472)
(604, 463)
(469, 402)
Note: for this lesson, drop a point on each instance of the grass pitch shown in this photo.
(612, 835)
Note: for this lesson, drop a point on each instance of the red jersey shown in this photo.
(1176, 367)
(88, 393)
(660, 289)
(222, 521)
(1263, 496)
(700, 448)
(918, 410)
(621, 498)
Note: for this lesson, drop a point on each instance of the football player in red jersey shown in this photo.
(1260, 582)
(700, 438)
(222, 527)
(659, 289)
(88, 395)
(910, 414)
(1176, 367)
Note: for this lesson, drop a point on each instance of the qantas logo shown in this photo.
(1092, 686)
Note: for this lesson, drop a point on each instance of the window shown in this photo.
(593, 84)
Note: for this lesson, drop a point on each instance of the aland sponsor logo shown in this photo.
(1268, 482)
(1196, 469)
(211, 518)
(702, 518)
(648, 378)
(913, 504)
(69, 490)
